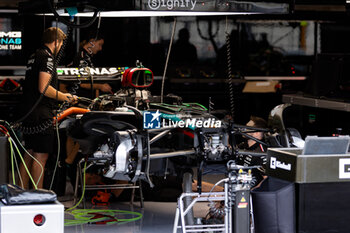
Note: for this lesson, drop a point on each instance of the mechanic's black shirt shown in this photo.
(41, 61)
(256, 147)
(248, 160)
(83, 59)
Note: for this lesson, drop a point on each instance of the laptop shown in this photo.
(315, 145)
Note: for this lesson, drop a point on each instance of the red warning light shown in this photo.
(39, 220)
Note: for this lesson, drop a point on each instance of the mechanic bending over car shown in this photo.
(83, 59)
(40, 79)
(251, 145)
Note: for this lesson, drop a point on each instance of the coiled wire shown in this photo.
(75, 86)
(216, 210)
(35, 129)
(229, 74)
(48, 123)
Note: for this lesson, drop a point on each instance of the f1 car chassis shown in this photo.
(112, 129)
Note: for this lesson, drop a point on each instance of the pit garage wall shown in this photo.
(147, 39)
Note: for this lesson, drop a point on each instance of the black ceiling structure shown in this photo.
(335, 10)
(268, 7)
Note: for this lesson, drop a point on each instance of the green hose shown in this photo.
(82, 195)
(12, 164)
(84, 216)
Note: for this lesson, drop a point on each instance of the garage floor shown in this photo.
(157, 217)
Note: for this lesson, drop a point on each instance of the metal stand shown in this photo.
(181, 212)
(79, 179)
(237, 209)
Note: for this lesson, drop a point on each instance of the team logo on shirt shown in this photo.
(49, 64)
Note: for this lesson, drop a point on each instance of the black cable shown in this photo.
(250, 128)
(56, 60)
(254, 139)
(209, 32)
(56, 81)
(167, 60)
(92, 86)
(45, 125)
(75, 86)
(44, 21)
(252, 153)
(229, 75)
(90, 52)
(70, 24)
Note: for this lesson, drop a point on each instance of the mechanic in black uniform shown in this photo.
(251, 145)
(83, 59)
(38, 128)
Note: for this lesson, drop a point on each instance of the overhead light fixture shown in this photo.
(149, 8)
(153, 13)
(9, 11)
(222, 6)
